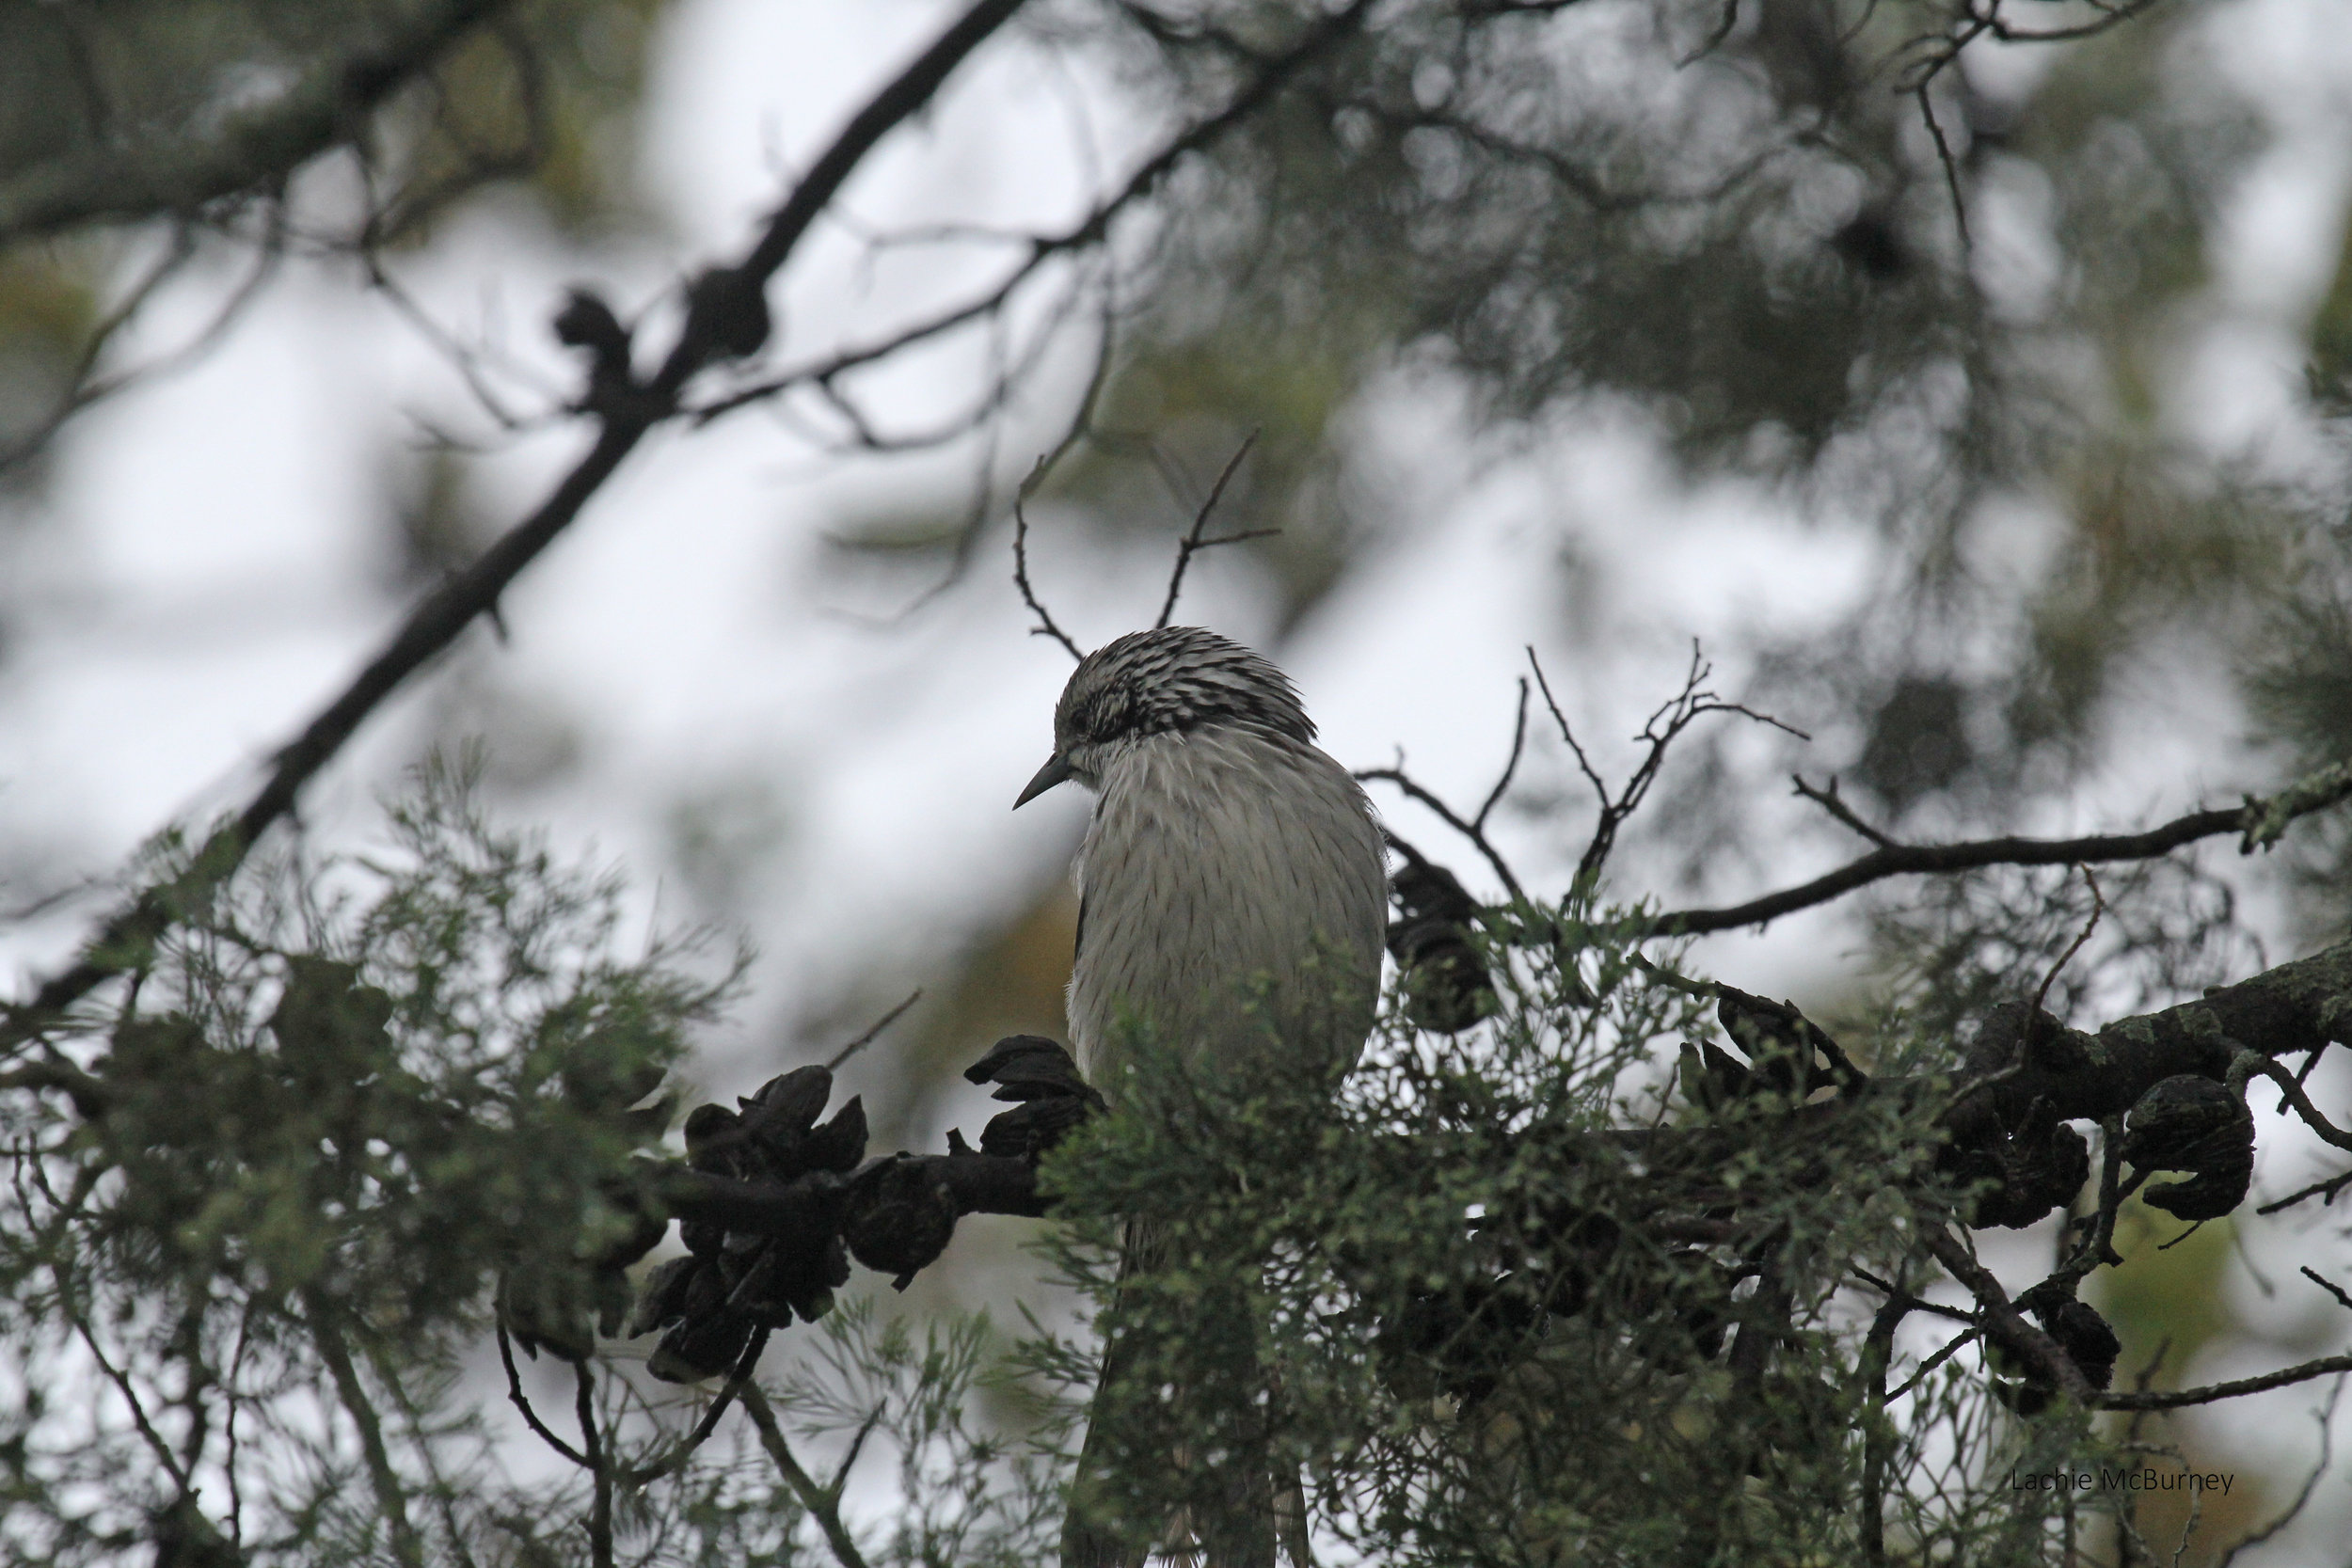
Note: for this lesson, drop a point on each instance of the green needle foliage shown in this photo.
(1514, 1298)
(1517, 1294)
(336, 1105)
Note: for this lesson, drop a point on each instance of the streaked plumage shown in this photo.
(1226, 853)
(1232, 899)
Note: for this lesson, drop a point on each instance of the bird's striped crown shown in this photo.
(1173, 679)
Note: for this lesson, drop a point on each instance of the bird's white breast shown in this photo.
(1223, 865)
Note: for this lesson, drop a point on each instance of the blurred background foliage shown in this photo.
(1732, 229)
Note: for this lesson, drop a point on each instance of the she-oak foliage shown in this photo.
(1516, 1295)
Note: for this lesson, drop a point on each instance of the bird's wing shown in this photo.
(1079, 945)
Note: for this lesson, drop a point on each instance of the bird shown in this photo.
(1233, 900)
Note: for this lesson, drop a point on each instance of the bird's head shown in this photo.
(1170, 680)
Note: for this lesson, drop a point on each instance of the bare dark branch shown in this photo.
(2249, 1063)
(2329, 1286)
(1089, 231)
(1959, 1344)
(720, 1403)
(2001, 1321)
(2211, 1392)
(600, 1474)
(2258, 822)
(2324, 1190)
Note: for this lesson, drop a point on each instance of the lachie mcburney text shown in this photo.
(2147, 1479)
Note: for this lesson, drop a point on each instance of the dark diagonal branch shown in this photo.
(726, 317)
(2258, 822)
(2001, 1320)
(720, 1403)
(1278, 71)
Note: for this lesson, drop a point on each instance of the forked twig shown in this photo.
(823, 1502)
(1677, 714)
(1834, 803)
(1193, 544)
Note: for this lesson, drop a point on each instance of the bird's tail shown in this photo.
(1234, 1507)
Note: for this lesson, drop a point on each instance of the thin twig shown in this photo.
(1951, 166)
(2098, 908)
(1511, 766)
(1715, 35)
(1560, 719)
(1831, 803)
(1194, 542)
(592, 1445)
(2329, 1286)
(2098, 1245)
(1045, 623)
(727, 1395)
(1913, 1302)
(1959, 1341)
(121, 1381)
(516, 1397)
(1678, 712)
(2310, 1482)
(2324, 1190)
(838, 1057)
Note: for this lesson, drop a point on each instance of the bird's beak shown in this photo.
(1057, 771)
